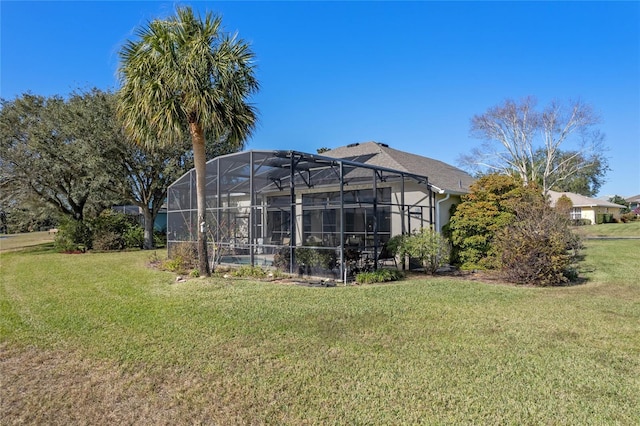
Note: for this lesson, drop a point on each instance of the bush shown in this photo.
(488, 208)
(604, 218)
(248, 271)
(116, 231)
(394, 244)
(133, 237)
(564, 205)
(322, 258)
(430, 248)
(379, 276)
(73, 235)
(182, 257)
(628, 217)
(580, 222)
(282, 259)
(159, 238)
(537, 248)
(108, 231)
(108, 240)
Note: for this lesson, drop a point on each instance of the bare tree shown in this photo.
(546, 147)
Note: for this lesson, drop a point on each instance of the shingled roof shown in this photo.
(444, 176)
(581, 201)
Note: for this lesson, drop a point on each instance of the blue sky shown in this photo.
(410, 74)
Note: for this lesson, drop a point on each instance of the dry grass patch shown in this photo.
(59, 388)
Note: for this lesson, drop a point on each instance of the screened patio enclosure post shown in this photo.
(301, 213)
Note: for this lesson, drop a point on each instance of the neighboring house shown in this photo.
(634, 202)
(353, 198)
(588, 208)
(160, 224)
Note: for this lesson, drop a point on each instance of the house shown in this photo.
(334, 211)
(592, 209)
(447, 182)
(634, 202)
(159, 224)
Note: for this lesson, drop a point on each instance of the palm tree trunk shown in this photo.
(200, 163)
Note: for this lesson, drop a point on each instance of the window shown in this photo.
(278, 219)
(576, 213)
(321, 217)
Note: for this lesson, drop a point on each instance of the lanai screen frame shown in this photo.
(236, 181)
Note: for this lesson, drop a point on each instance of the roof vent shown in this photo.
(383, 144)
(351, 145)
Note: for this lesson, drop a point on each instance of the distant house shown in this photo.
(272, 207)
(634, 202)
(592, 209)
(160, 224)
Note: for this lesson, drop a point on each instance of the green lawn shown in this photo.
(101, 338)
(631, 229)
(18, 241)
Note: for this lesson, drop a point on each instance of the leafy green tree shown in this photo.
(488, 208)
(60, 152)
(587, 178)
(185, 76)
(617, 199)
(147, 175)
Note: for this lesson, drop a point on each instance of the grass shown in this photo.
(18, 241)
(101, 338)
(630, 229)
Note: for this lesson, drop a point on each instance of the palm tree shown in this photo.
(185, 76)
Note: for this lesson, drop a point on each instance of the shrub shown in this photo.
(116, 231)
(429, 247)
(182, 257)
(73, 235)
(488, 208)
(537, 248)
(175, 264)
(282, 259)
(108, 240)
(564, 205)
(249, 271)
(394, 244)
(316, 258)
(628, 217)
(133, 237)
(604, 218)
(580, 222)
(159, 238)
(379, 276)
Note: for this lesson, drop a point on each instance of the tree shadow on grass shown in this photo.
(46, 248)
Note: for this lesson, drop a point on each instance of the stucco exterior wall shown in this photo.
(591, 213)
